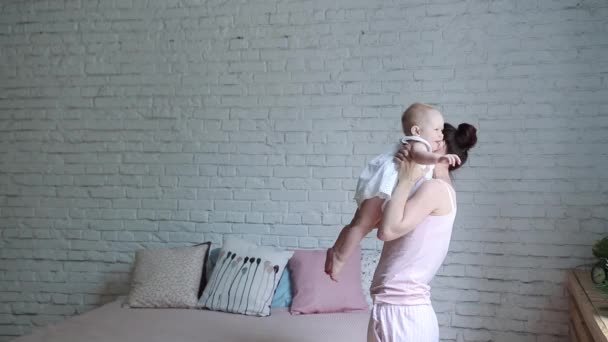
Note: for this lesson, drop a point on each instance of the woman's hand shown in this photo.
(409, 171)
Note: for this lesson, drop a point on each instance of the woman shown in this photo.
(417, 234)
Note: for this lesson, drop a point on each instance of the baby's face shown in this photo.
(431, 129)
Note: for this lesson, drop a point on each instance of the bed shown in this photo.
(114, 323)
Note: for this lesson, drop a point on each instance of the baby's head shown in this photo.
(424, 121)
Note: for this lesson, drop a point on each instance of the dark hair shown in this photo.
(459, 141)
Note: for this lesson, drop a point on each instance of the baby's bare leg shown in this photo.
(366, 218)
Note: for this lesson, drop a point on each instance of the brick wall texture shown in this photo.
(130, 124)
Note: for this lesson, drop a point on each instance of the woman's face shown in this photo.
(441, 148)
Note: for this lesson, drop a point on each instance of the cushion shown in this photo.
(168, 278)
(282, 296)
(315, 292)
(213, 255)
(244, 278)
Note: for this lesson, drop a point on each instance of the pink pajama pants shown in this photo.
(402, 323)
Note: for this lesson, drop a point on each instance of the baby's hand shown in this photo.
(451, 159)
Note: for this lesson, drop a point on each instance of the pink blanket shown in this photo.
(112, 323)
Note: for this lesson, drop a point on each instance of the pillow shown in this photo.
(204, 276)
(282, 296)
(213, 255)
(168, 278)
(315, 292)
(245, 278)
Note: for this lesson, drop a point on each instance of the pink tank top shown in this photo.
(408, 264)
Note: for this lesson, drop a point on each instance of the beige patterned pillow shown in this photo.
(168, 278)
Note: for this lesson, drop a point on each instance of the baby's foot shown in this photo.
(333, 264)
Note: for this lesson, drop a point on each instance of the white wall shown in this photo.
(141, 123)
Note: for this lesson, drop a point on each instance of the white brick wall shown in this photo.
(143, 123)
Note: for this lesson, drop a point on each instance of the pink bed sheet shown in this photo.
(113, 323)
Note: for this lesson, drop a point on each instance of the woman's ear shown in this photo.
(415, 130)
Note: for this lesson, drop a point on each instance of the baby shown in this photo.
(422, 126)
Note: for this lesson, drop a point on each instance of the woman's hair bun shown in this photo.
(466, 135)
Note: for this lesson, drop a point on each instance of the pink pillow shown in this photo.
(315, 292)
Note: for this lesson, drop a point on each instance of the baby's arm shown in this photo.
(422, 156)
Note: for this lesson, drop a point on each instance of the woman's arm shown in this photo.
(402, 215)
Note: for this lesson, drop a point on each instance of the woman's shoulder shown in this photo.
(434, 187)
(438, 194)
(434, 183)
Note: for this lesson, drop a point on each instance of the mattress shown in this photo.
(113, 323)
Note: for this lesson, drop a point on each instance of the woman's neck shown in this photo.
(442, 172)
